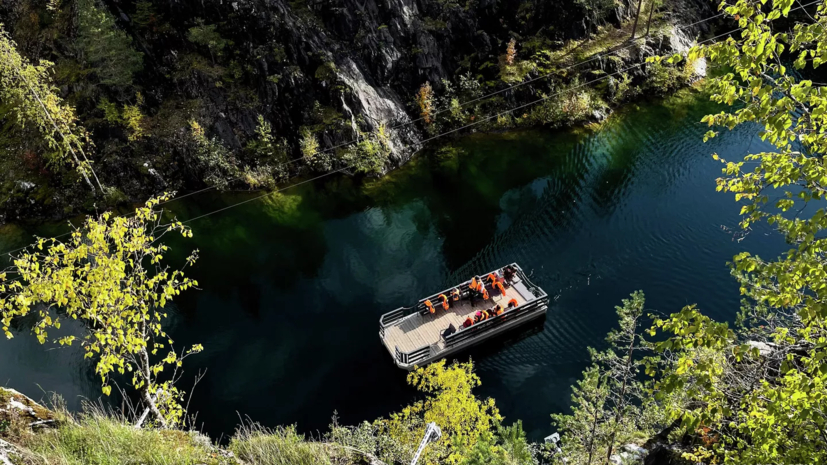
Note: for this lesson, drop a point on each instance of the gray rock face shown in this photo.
(381, 106)
(362, 59)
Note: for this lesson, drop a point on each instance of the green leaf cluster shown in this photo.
(107, 48)
(109, 276)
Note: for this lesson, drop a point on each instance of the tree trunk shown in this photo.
(594, 426)
(621, 402)
(591, 437)
(637, 16)
(68, 145)
(146, 395)
(649, 23)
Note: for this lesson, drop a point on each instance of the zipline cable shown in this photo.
(463, 104)
(488, 118)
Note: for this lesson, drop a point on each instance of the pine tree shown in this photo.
(105, 47)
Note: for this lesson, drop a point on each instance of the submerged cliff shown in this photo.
(247, 93)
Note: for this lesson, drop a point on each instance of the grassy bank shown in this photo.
(472, 429)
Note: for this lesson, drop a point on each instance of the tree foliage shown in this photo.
(270, 154)
(450, 403)
(206, 35)
(370, 154)
(106, 47)
(34, 99)
(608, 402)
(215, 160)
(109, 276)
(757, 394)
(319, 160)
(425, 100)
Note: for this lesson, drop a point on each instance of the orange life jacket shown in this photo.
(501, 288)
(468, 322)
(473, 284)
(477, 317)
(492, 278)
(430, 306)
(444, 301)
(485, 315)
(500, 310)
(455, 294)
(484, 293)
(512, 303)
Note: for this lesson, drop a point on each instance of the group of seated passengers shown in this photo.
(486, 314)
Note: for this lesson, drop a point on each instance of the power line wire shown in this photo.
(438, 135)
(461, 105)
(488, 118)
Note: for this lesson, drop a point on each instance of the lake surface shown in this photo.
(292, 286)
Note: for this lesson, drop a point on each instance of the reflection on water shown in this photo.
(293, 286)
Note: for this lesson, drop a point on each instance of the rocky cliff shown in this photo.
(179, 93)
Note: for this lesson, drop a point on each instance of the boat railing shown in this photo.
(392, 317)
(409, 358)
(535, 289)
(539, 300)
(464, 334)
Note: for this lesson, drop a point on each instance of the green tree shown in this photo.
(584, 430)
(507, 445)
(105, 47)
(206, 35)
(370, 154)
(622, 363)
(608, 402)
(319, 160)
(757, 394)
(131, 117)
(109, 276)
(451, 404)
(270, 153)
(215, 159)
(34, 99)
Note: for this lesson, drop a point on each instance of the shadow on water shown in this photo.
(292, 286)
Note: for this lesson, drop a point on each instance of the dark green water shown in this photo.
(293, 286)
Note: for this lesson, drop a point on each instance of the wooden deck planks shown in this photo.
(417, 331)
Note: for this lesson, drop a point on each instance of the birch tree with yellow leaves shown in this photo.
(35, 101)
(111, 277)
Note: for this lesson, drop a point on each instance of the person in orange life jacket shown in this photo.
(430, 306)
(477, 316)
(492, 278)
(512, 303)
(444, 300)
(468, 322)
(484, 292)
(501, 288)
(474, 291)
(455, 294)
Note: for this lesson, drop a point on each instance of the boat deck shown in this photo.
(417, 330)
